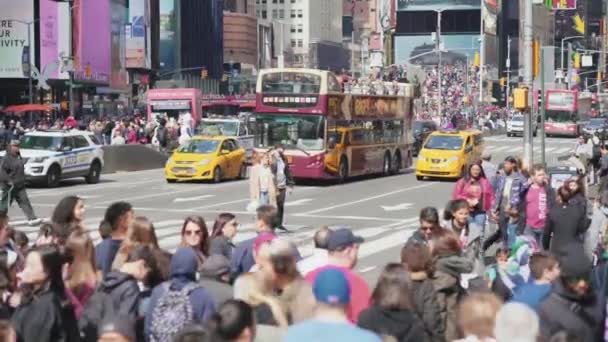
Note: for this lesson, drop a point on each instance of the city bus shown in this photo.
(174, 103)
(329, 134)
(566, 110)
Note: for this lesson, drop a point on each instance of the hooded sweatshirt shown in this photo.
(124, 290)
(404, 325)
(184, 265)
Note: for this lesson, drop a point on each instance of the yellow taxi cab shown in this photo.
(446, 153)
(207, 158)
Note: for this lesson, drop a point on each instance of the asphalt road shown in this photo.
(383, 210)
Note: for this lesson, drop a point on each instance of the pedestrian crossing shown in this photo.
(168, 232)
(520, 149)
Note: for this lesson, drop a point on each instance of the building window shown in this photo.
(293, 13)
(300, 28)
(274, 1)
(293, 28)
(299, 13)
(281, 14)
(293, 43)
(300, 43)
(257, 13)
(274, 14)
(263, 14)
(281, 1)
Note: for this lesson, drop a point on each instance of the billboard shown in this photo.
(561, 4)
(168, 35)
(92, 41)
(13, 37)
(489, 15)
(432, 5)
(571, 22)
(119, 77)
(54, 37)
(137, 33)
(418, 49)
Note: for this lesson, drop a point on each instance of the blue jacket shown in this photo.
(242, 258)
(518, 189)
(531, 294)
(184, 265)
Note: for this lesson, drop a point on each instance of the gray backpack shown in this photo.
(172, 312)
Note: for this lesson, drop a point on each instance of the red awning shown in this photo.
(250, 104)
(28, 108)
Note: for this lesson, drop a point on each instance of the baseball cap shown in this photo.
(341, 238)
(261, 239)
(331, 287)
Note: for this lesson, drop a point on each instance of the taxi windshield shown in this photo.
(200, 146)
(444, 142)
(227, 128)
(39, 142)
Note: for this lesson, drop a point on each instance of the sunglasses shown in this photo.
(192, 232)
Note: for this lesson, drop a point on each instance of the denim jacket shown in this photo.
(518, 189)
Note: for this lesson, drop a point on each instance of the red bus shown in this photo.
(565, 112)
(329, 134)
(227, 105)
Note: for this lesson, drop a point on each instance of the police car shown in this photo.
(51, 156)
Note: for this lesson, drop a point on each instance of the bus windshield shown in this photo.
(225, 128)
(561, 116)
(306, 132)
(444, 142)
(291, 83)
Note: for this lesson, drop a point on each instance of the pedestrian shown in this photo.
(392, 312)
(539, 201)
(12, 183)
(331, 321)
(215, 278)
(577, 187)
(489, 169)
(118, 328)
(599, 221)
(516, 322)
(234, 321)
(256, 290)
(262, 188)
(44, 314)
(573, 306)
(283, 181)
(475, 188)
(477, 317)
(178, 301)
(196, 236)
(80, 276)
(470, 233)
(319, 254)
(449, 266)
(120, 217)
(565, 224)
(544, 269)
(343, 247)
(70, 211)
(429, 224)
(417, 259)
(224, 230)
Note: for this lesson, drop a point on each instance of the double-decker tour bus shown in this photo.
(329, 134)
(174, 103)
(566, 110)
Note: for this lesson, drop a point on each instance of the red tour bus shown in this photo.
(329, 134)
(227, 105)
(174, 103)
(566, 110)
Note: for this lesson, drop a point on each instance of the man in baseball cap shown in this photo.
(343, 252)
(330, 321)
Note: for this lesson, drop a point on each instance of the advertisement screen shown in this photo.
(570, 23)
(54, 37)
(92, 41)
(136, 34)
(432, 5)
(119, 18)
(13, 37)
(417, 49)
(167, 35)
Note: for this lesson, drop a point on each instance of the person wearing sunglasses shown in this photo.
(429, 223)
(196, 236)
(573, 305)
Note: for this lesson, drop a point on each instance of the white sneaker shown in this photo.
(34, 222)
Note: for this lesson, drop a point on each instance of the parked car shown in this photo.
(422, 129)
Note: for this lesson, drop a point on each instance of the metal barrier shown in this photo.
(134, 157)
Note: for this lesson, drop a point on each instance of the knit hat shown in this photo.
(215, 265)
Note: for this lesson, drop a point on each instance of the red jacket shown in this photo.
(487, 194)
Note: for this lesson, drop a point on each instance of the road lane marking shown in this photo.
(302, 201)
(365, 199)
(354, 218)
(367, 269)
(398, 207)
(140, 197)
(221, 204)
(190, 199)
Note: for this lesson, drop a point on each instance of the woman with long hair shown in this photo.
(565, 224)
(449, 265)
(69, 211)
(256, 289)
(195, 235)
(577, 186)
(392, 311)
(80, 277)
(456, 216)
(224, 230)
(45, 314)
(475, 188)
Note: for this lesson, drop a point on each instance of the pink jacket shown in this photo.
(461, 192)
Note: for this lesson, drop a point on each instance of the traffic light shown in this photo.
(520, 98)
(577, 60)
(536, 57)
(476, 59)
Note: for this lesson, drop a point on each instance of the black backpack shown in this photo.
(100, 307)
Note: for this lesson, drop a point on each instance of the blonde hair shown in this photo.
(81, 255)
(140, 233)
(256, 289)
(477, 314)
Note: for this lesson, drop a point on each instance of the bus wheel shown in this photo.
(386, 166)
(396, 163)
(343, 170)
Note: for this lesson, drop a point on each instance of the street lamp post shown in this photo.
(438, 48)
